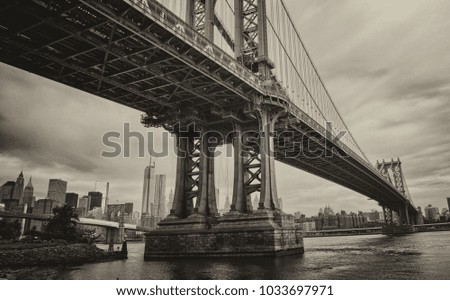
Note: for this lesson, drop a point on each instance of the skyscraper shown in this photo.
(72, 199)
(6, 190)
(227, 204)
(217, 197)
(95, 200)
(148, 190)
(18, 188)
(28, 194)
(57, 190)
(448, 203)
(129, 208)
(280, 203)
(432, 213)
(170, 201)
(83, 205)
(160, 196)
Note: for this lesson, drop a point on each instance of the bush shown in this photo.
(63, 225)
(9, 230)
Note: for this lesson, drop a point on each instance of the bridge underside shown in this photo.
(146, 58)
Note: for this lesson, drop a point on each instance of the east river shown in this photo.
(415, 256)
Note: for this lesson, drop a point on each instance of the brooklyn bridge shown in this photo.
(212, 72)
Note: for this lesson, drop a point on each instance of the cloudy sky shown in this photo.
(386, 64)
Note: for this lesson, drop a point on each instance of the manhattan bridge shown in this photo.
(212, 72)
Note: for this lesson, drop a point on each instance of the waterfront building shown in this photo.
(6, 191)
(328, 210)
(11, 192)
(95, 213)
(136, 217)
(432, 213)
(95, 200)
(43, 207)
(57, 190)
(83, 205)
(72, 199)
(129, 208)
(308, 225)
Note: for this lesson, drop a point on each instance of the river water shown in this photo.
(415, 256)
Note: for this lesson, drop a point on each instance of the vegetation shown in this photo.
(63, 225)
(9, 230)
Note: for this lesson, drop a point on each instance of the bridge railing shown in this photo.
(305, 118)
(175, 24)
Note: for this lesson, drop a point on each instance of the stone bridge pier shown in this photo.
(402, 223)
(194, 227)
(117, 235)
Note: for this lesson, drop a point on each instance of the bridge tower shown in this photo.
(194, 227)
(406, 217)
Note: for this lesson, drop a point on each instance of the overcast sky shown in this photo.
(386, 64)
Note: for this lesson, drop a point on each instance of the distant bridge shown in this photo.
(82, 221)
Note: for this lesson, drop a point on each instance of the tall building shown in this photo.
(129, 208)
(217, 197)
(170, 200)
(328, 210)
(95, 200)
(160, 196)
(57, 190)
(72, 199)
(280, 202)
(255, 203)
(448, 203)
(83, 205)
(227, 204)
(148, 194)
(6, 191)
(28, 194)
(44, 207)
(432, 213)
(18, 188)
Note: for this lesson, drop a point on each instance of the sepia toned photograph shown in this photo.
(225, 140)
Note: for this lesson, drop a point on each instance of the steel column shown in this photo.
(388, 217)
(246, 172)
(187, 177)
(207, 202)
(269, 197)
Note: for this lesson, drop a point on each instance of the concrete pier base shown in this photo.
(116, 235)
(398, 229)
(263, 233)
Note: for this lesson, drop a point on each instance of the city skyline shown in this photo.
(360, 80)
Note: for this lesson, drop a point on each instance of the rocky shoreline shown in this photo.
(46, 262)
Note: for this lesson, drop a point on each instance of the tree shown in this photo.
(63, 225)
(9, 230)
